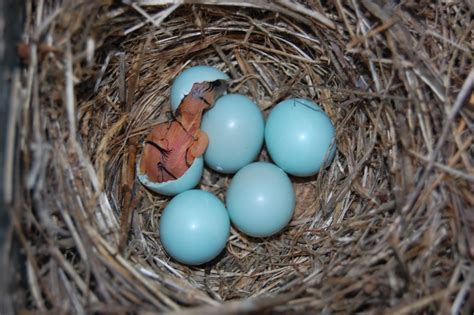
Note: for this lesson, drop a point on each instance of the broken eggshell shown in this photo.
(185, 80)
(187, 181)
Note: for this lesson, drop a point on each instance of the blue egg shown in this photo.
(260, 199)
(187, 181)
(235, 128)
(194, 227)
(185, 80)
(300, 137)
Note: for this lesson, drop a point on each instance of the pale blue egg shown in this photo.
(260, 199)
(194, 227)
(187, 181)
(235, 127)
(300, 137)
(186, 79)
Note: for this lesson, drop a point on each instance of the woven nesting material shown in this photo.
(387, 227)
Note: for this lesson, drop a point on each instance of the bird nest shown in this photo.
(385, 228)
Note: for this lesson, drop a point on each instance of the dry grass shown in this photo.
(387, 228)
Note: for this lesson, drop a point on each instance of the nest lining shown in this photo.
(385, 228)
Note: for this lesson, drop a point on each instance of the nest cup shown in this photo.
(385, 228)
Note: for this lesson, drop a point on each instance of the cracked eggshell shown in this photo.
(185, 80)
(187, 181)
